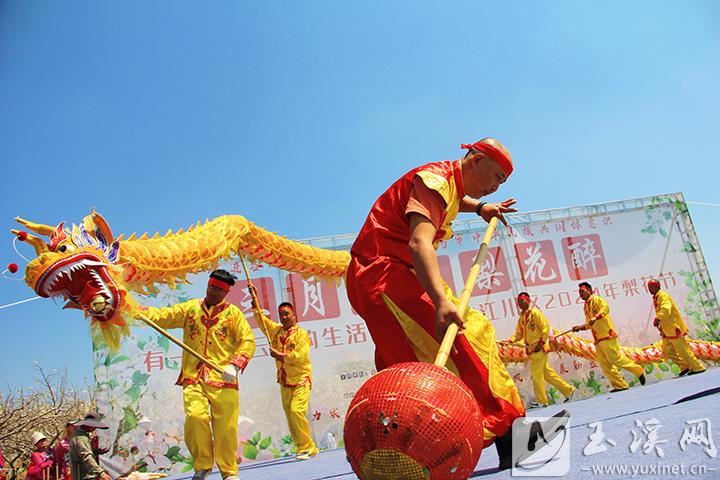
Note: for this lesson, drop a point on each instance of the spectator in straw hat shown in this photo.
(40, 460)
(83, 465)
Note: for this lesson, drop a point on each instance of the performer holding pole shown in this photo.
(394, 281)
(607, 349)
(673, 331)
(290, 347)
(217, 331)
(533, 329)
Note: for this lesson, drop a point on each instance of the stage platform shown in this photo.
(631, 420)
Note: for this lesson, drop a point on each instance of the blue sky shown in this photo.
(297, 115)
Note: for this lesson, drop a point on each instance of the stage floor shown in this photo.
(643, 423)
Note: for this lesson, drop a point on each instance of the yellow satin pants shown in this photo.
(610, 359)
(541, 372)
(295, 403)
(205, 406)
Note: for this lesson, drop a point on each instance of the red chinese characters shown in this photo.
(240, 297)
(584, 256)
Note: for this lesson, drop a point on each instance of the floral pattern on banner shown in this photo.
(657, 216)
(134, 404)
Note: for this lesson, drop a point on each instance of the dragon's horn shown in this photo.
(45, 230)
(102, 225)
(95, 222)
(37, 243)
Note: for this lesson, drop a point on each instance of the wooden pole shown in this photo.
(564, 333)
(452, 329)
(247, 275)
(180, 344)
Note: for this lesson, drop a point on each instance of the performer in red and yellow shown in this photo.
(533, 329)
(219, 331)
(394, 282)
(673, 331)
(607, 349)
(290, 347)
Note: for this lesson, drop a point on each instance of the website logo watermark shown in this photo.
(540, 447)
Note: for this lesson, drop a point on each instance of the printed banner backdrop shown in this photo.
(616, 247)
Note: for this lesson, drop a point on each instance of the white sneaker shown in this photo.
(306, 455)
(532, 405)
(231, 477)
(201, 474)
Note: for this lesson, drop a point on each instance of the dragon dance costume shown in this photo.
(607, 348)
(533, 328)
(222, 335)
(294, 374)
(673, 332)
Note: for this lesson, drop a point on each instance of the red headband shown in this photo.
(583, 287)
(219, 283)
(496, 155)
(525, 296)
(654, 282)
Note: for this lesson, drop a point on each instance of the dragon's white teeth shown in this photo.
(92, 263)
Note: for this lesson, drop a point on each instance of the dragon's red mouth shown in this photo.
(83, 279)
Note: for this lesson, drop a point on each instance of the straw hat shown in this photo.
(36, 437)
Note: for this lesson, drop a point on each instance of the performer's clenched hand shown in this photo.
(230, 374)
(276, 354)
(253, 295)
(445, 314)
(490, 210)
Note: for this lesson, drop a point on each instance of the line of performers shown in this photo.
(533, 331)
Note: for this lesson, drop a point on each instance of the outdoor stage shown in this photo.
(622, 417)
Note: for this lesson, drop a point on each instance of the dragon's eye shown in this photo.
(65, 247)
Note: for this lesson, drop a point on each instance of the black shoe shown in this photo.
(683, 372)
(695, 373)
(642, 379)
(618, 390)
(503, 445)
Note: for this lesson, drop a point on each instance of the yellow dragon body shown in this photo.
(96, 272)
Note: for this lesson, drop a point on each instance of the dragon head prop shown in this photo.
(97, 272)
(79, 265)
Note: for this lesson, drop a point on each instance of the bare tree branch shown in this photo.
(46, 406)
